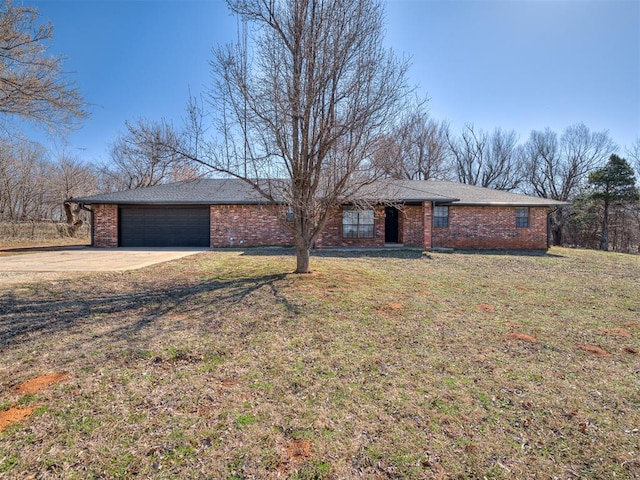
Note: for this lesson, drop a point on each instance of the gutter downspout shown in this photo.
(549, 225)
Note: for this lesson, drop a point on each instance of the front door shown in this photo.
(390, 225)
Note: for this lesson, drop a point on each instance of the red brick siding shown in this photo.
(476, 227)
(415, 225)
(332, 233)
(470, 227)
(105, 225)
(248, 225)
(411, 225)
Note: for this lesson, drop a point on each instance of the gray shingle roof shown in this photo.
(189, 192)
(472, 195)
(234, 191)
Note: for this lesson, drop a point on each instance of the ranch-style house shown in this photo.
(217, 213)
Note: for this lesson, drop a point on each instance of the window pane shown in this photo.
(350, 217)
(441, 216)
(350, 231)
(522, 217)
(366, 217)
(358, 223)
(366, 231)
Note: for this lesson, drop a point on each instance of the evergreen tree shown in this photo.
(615, 182)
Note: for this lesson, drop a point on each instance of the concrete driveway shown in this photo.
(33, 265)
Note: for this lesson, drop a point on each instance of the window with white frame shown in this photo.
(357, 223)
(441, 216)
(522, 217)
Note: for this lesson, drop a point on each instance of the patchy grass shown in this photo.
(393, 365)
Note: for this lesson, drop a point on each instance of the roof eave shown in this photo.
(510, 204)
(158, 203)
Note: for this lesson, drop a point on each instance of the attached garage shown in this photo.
(163, 226)
(221, 212)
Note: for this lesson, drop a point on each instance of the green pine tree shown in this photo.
(615, 182)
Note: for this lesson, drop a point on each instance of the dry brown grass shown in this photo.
(39, 234)
(400, 365)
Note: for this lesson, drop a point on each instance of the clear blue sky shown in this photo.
(515, 64)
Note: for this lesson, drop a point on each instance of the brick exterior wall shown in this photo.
(248, 226)
(332, 233)
(415, 225)
(489, 227)
(470, 227)
(105, 225)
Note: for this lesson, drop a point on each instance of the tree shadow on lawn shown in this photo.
(25, 319)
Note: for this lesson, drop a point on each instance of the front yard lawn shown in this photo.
(395, 365)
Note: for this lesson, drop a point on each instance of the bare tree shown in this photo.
(146, 155)
(504, 168)
(491, 161)
(633, 152)
(33, 86)
(23, 172)
(307, 106)
(416, 149)
(468, 152)
(558, 168)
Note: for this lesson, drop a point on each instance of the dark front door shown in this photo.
(163, 226)
(390, 225)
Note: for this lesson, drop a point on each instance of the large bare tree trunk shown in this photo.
(74, 222)
(303, 259)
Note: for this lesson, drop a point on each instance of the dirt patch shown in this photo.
(295, 452)
(14, 415)
(390, 307)
(512, 325)
(523, 337)
(229, 382)
(595, 350)
(631, 350)
(36, 384)
(395, 306)
(485, 307)
(615, 332)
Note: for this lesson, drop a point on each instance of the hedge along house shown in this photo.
(230, 213)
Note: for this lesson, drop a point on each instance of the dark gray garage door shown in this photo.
(155, 226)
